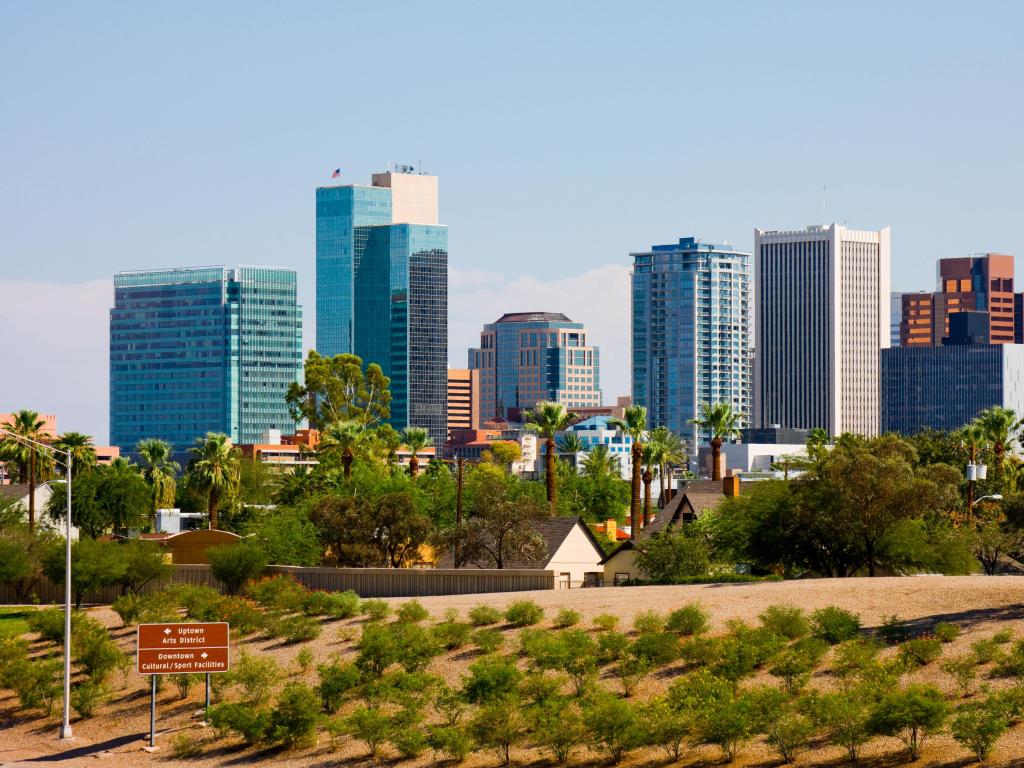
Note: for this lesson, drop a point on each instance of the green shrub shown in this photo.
(977, 727)
(606, 622)
(613, 724)
(235, 564)
(566, 617)
(336, 681)
(498, 725)
(911, 713)
(375, 610)
(523, 613)
(452, 635)
(451, 741)
(250, 722)
(611, 646)
(295, 716)
(488, 640)
(786, 621)
(257, 677)
(920, 651)
(86, 696)
(370, 726)
(946, 631)
(185, 747)
(648, 621)
(297, 629)
(893, 630)
(183, 682)
(557, 726)
(412, 611)
(658, 648)
(483, 615)
(491, 678)
(834, 625)
(689, 620)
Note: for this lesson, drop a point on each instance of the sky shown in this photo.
(565, 135)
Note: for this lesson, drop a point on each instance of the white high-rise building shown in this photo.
(823, 305)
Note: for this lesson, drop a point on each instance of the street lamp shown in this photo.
(65, 728)
(993, 496)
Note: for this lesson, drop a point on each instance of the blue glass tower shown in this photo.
(691, 333)
(382, 290)
(205, 349)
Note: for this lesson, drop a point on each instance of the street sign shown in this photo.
(165, 649)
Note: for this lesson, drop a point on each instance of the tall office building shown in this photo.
(822, 315)
(969, 284)
(527, 357)
(204, 349)
(463, 399)
(691, 333)
(382, 288)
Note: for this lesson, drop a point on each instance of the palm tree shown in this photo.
(415, 439)
(547, 419)
(83, 455)
(633, 423)
(600, 462)
(722, 422)
(343, 437)
(671, 452)
(159, 471)
(651, 458)
(214, 468)
(30, 461)
(1000, 427)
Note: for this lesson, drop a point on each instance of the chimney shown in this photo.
(731, 485)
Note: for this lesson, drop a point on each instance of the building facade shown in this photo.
(204, 349)
(691, 333)
(382, 288)
(945, 387)
(463, 399)
(528, 357)
(822, 315)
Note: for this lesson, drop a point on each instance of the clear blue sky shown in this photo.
(138, 135)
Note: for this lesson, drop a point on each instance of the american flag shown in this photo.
(336, 174)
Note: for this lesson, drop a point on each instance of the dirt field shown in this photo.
(980, 605)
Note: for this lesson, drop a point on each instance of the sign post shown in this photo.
(189, 648)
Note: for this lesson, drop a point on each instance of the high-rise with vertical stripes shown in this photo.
(823, 306)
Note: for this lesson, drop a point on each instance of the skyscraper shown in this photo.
(691, 333)
(527, 357)
(382, 289)
(203, 349)
(822, 315)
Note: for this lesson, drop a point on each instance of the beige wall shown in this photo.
(413, 197)
(576, 557)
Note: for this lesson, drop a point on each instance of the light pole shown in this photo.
(65, 728)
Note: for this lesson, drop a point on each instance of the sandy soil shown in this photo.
(980, 605)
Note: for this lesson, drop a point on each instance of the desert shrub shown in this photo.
(648, 621)
(689, 620)
(257, 677)
(977, 727)
(658, 648)
(613, 724)
(86, 696)
(488, 640)
(186, 747)
(557, 726)
(920, 651)
(451, 741)
(665, 727)
(786, 621)
(336, 681)
(235, 564)
(946, 631)
(375, 610)
(566, 617)
(964, 670)
(498, 725)
(452, 635)
(484, 615)
(248, 721)
(412, 611)
(523, 613)
(853, 657)
(297, 628)
(611, 646)
(295, 716)
(491, 678)
(183, 682)
(630, 672)
(606, 622)
(834, 625)
(280, 592)
(370, 725)
(893, 630)
(911, 713)
(843, 717)
(1003, 636)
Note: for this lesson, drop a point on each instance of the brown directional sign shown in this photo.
(175, 648)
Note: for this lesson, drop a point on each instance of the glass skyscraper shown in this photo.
(204, 349)
(382, 289)
(691, 333)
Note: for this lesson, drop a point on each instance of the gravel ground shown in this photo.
(980, 605)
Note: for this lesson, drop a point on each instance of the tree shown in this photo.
(633, 423)
(214, 469)
(341, 439)
(32, 462)
(339, 389)
(83, 454)
(416, 439)
(160, 472)
(722, 422)
(547, 419)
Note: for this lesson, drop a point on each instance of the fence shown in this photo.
(366, 582)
